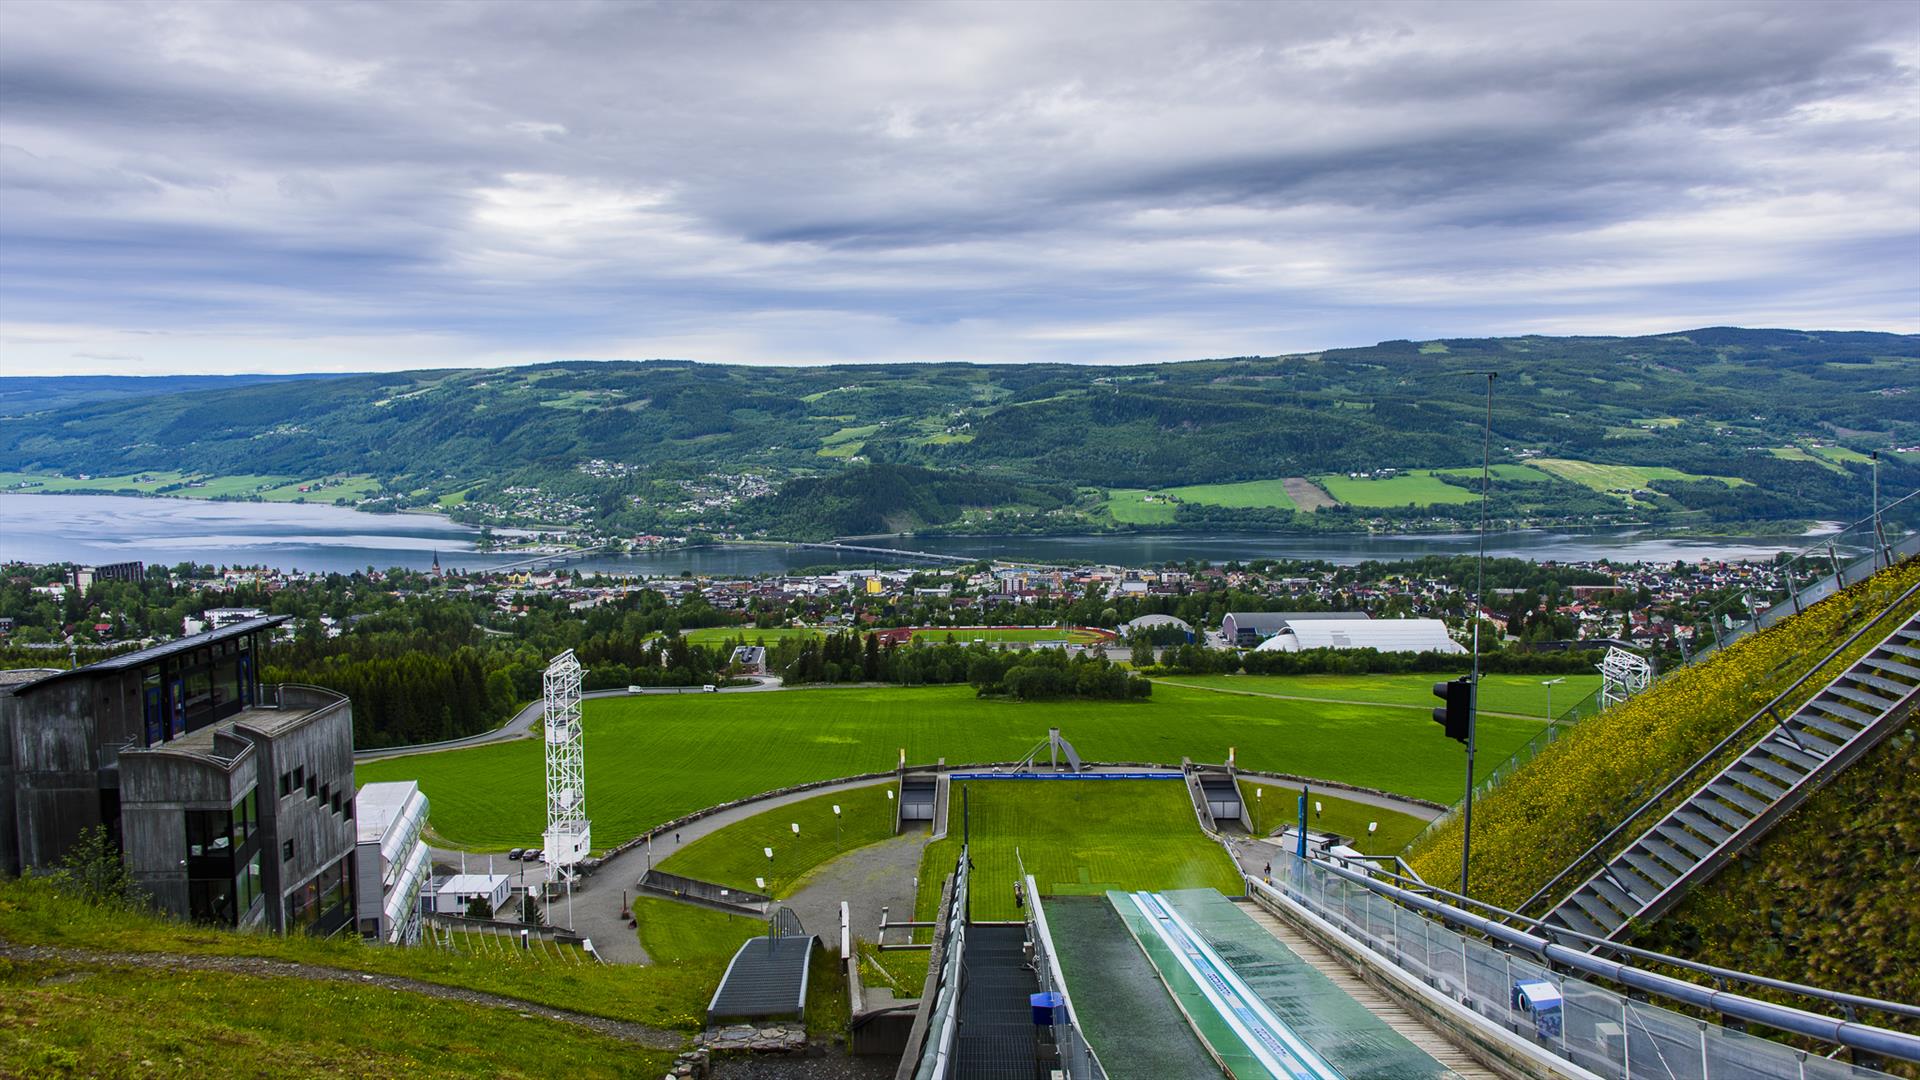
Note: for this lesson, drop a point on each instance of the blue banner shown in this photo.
(1065, 776)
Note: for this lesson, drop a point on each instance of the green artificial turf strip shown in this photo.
(1521, 695)
(1076, 838)
(735, 855)
(1279, 806)
(656, 757)
(73, 1020)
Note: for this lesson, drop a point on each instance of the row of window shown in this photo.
(307, 904)
(299, 778)
(217, 832)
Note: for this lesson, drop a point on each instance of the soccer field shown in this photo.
(1076, 837)
(752, 635)
(655, 757)
(963, 635)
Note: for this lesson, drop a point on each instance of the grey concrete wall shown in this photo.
(55, 779)
(157, 788)
(321, 744)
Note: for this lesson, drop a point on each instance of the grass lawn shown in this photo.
(735, 855)
(1278, 806)
(1130, 506)
(1613, 477)
(1077, 838)
(33, 912)
(326, 490)
(1521, 695)
(655, 757)
(714, 635)
(1416, 487)
(73, 1019)
(937, 635)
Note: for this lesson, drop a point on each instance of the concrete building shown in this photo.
(1244, 628)
(232, 801)
(392, 862)
(1385, 635)
(457, 893)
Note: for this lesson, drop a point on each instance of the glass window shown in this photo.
(286, 851)
(286, 784)
(207, 833)
(246, 816)
(246, 885)
(211, 901)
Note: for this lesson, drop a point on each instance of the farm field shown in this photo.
(714, 635)
(656, 757)
(1278, 806)
(1521, 695)
(1796, 453)
(1416, 487)
(937, 635)
(1077, 838)
(1610, 477)
(341, 487)
(735, 855)
(1129, 506)
(145, 483)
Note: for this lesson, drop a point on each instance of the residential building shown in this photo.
(392, 862)
(232, 801)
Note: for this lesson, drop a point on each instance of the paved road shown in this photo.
(521, 726)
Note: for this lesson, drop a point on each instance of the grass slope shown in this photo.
(1619, 477)
(653, 758)
(1076, 837)
(1417, 487)
(1562, 801)
(735, 855)
(68, 1019)
(1522, 695)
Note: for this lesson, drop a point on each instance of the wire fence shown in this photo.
(1600, 1030)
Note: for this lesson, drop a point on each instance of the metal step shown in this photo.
(1761, 775)
(1874, 702)
(1598, 910)
(1845, 712)
(1733, 817)
(1900, 650)
(1679, 859)
(1731, 791)
(1896, 689)
(1680, 838)
(1576, 920)
(1794, 754)
(1887, 663)
(1640, 888)
(1615, 896)
(1691, 817)
(1653, 870)
(1821, 744)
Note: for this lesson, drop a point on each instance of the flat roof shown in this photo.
(151, 653)
(375, 806)
(472, 883)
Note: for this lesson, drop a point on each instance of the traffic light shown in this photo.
(1458, 712)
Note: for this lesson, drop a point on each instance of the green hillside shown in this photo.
(640, 443)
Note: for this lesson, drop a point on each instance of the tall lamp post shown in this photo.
(1550, 684)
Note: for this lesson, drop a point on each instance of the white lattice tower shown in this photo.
(1622, 675)
(569, 834)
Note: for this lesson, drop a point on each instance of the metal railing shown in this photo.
(936, 1056)
(1077, 1059)
(1606, 1032)
(1770, 712)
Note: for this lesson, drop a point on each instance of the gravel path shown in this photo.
(868, 878)
(287, 969)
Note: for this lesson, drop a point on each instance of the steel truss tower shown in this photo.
(1622, 675)
(569, 834)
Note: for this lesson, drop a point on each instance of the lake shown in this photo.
(289, 536)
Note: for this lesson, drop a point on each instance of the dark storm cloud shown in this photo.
(344, 185)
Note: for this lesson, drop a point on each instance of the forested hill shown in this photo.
(1720, 402)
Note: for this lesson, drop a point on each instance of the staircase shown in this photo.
(1863, 705)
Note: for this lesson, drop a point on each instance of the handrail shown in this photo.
(1699, 763)
(1555, 933)
(1786, 1018)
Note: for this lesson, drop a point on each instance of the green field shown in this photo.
(965, 634)
(1605, 478)
(144, 483)
(1795, 453)
(1522, 695)
(1077, 838)
(1129, 504)
(655, 757)
(735, 855)
(752, 635)
(1416, 487)
(350, 488)
(1275, 806)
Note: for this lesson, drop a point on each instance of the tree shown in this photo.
(479, 907)
(93, 870)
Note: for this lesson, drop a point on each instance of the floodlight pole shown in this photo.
(1479, 591)
(1879, 537)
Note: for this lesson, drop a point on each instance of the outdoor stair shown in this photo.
(1735, 807)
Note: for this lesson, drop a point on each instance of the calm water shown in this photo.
(108, 528)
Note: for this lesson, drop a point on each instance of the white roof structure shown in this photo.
(1386, 635)
(474, 885)
(1149, 622)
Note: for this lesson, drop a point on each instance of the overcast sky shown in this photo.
(340, 186)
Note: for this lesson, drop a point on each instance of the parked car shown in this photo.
(534, 855)
(516, 853)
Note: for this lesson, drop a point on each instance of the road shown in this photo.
(521, 726)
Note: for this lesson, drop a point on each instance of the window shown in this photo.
(207, 833)
(246, 817)
(286, 784)
(246, 886)
(326, 792)
(286, 851)
(310, 787)
(336, 803)
(299, 775)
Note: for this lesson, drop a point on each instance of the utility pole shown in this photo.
(1879, 537)
(1479, 594)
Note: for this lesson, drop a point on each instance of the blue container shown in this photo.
(1049, 1008)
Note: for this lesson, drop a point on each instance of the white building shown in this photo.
(460, 890)
(392, 850)
(1385, 635)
